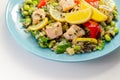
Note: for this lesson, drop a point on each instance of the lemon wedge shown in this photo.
(39, 26)
(79, 17)
(93, 40)
(96, 14)
(57, 15)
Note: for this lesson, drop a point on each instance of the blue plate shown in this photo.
(30, 44)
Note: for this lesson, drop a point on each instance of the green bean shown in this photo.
(116, 30)
(26, 7)
(107, 37)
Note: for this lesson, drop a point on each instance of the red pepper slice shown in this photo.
(94, 28)
(93, 2)
(42, 3)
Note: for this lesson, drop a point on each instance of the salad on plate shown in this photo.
(70, 26)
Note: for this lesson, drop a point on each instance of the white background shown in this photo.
(18, 64)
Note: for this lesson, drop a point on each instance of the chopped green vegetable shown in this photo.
(77, 48)
(100, 45)
(62, 46)
(34, 33)
(43, 41)
(35, 3)
(51, 43)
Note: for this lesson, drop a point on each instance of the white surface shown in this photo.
(18, 64)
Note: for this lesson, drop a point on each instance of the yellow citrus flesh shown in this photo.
(96, 14)
(39, 25)
(57, 15)
(79, 17)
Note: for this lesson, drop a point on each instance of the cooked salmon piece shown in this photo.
(73, 32)
(54, 31)
(67, 4)
(105, 9)
(38, 15)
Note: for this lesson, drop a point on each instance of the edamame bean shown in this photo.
(28, 1)
(25, 13)
(107, 37)
(31, 10)
(35, 3)
(116, 30)
(26, 7)
(112, 23)
(28, 20)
